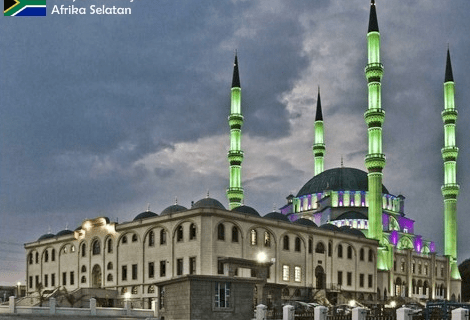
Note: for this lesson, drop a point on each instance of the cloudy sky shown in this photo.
(105, 115)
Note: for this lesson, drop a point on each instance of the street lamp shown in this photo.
(261, 257)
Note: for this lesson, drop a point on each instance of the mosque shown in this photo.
(344, 235)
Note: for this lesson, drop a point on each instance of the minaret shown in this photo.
(235, 154)
(450, 189)
(374, 118)
(319, 145)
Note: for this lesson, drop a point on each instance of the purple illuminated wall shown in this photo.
(406, 223)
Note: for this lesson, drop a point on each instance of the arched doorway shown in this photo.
(96, 277)
(320, 278)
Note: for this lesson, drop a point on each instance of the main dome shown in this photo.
(337, 179)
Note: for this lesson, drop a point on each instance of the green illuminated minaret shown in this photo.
(374, 117)
(450, 189)
(235, 154)
(319, 145)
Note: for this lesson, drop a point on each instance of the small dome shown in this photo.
(46, 236)
(351, 215)
(329, 226)
(276, 216)
(208, 203)
(64, 232)
(145, 215)
(247, 210)
(173, 209)
(354, 232)
(306, 222)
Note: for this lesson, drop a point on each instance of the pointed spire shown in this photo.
(319, 115)
(449, 76)
(373, 24)
(236, 77)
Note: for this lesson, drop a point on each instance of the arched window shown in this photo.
(64, 250)
(151, 289)
(285, 242)
(134, 290)
(350, 252)
(371, 255)
(72, 248)
(124, 239)
(297, 244)
(361, 254)
(340, 251)
(96, 247)
(83, 250)
(330, 249)
(253, 237)
(179, 234)
(37, 257)
(285, 292)
(46, 256)
(30, 258)
(192, 231)
(110, 245)
(110, 277)
(162, 236)
(83, 268)
(123, 290)
(151, 239)
(267, 239)
(134, 238)
(234, 234)
(320, 248)
(110, 266)
(310, 245)
(83, 279)
(221, 231)
(53, 255)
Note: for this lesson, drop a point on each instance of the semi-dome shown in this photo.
(208, 203)
(247, 210)
(145, 215)
(276, 216)
(46, 236)
(329, 226)
(306, 222)
(173, 209)
(337, 179)
(351, 215)
(64, 232)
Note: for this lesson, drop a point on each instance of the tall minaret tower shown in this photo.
(319, 145)
(450, 189)
(235, 154)
(374, 117)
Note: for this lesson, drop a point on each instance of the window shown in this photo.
(124, 239)
(253, 237)
(134, 238)
(83, 280)
(320, 248)
(234, 234)
(370, 279)
(349, 278)
(53, 279)
(267, 239)
(349, 252)
(83, 268)
(83, 249)
(192, 265)
(413, 267)
(151, 289)
(361, 254)
(340, 278)
(110, 245)
(72, 278)
(46, 284)
(420, 268)
(394, 265)
(297, 274)
(179, 267)
(371, 255)
(310, 245)
(110, 278)
(330, 249)
(134, 290)
(340, 251)
(297, 244)
(72, 248)
(37, 281)
(221, 232)
(37, 257)
(30, 282)
(179, 234)
(285, 242)
(361, 280)
(163, 268)
(123, 290)
(110, 266)
(402, 267)
(192, 231)
(30, 258)
(220, 267)
(442, 271)
(46, 256)
(64, 278)
(124, 273)
(53, 255)
(96, 247)
(151, 239)
(222, 295)
(163, 236)
(134, 272)
(151, 269)
(285, 273)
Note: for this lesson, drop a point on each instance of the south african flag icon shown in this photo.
(24, 7)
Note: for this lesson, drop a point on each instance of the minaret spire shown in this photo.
(319, 145)
(235, 154)
(450, 188)
(374, 118)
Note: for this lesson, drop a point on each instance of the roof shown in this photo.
(208, 203)
(354, 232)
(351, 215)
(329, 226)
(173, 209)
(64, 232)
(373, 24)
(449, 75)
(247, 210)
(46, 236)
(276, 216)
(319, 115)
(145, 215)
(236, 77)
(337, 179)
(305, 222)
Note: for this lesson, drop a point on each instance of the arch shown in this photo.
(369, 297)
(109, 278)
(330, 248)
(371, 255)
(37, 257)
(179, 233)
(285, 242)
(83, 279)
(320, 247)
(46, 255)
(260, 229)
(350, 252)
(135, 290)
(151, 238)
(109, 266)
(340, 250)
(267, 238)
(30, 258)
(83, 269)
(123, 290)
(319, 278)
(394, 224)
(253, 237)
(109, 245)
(53, 254)
(83, 249)
(96, 247)
(310, 245)
(135, 238)
(151, 289)
(221, 231)
(361, 254)
(163, 236)
(405, 243)
(96, 276)
(378, 294)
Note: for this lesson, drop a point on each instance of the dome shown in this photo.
(145, 215)
(276, 216)
(305, 222)
(351, 215)
(208, 203)
(329, 226)
(247, 210)
(354, 232)
(337, 179)
(64, 232)
(173, 209)
(46, 236)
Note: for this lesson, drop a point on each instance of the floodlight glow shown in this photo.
(261, 257)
